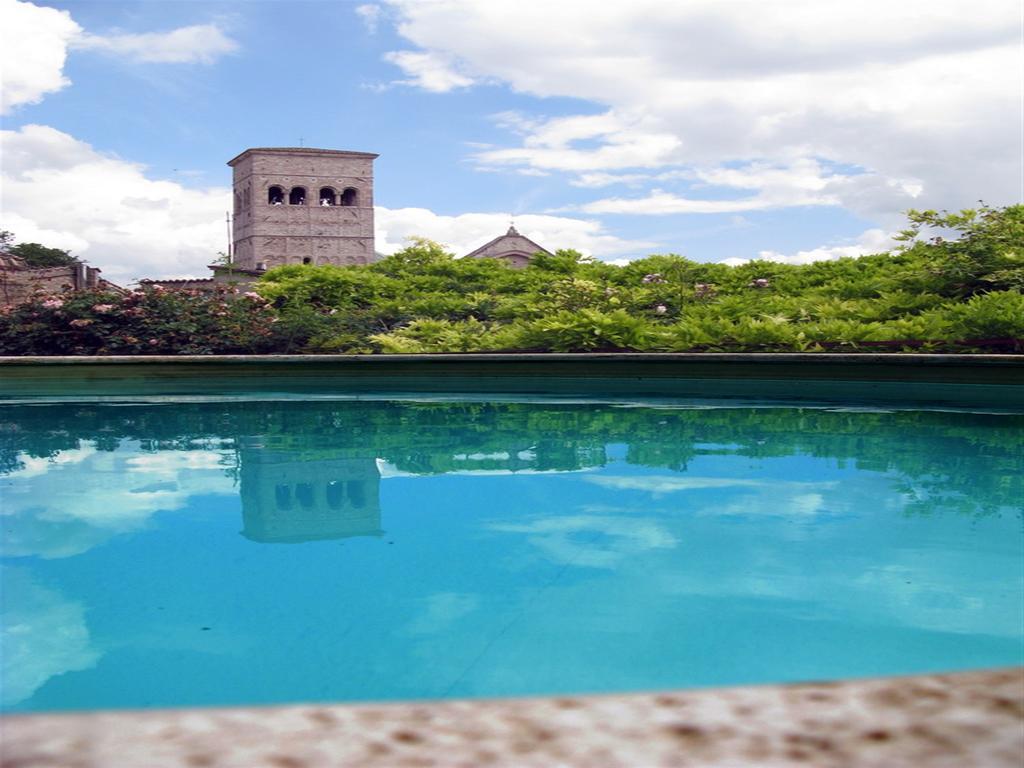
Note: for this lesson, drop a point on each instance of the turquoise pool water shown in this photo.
(254, 552)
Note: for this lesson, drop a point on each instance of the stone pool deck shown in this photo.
(958, 719)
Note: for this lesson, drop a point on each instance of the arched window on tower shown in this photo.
(327, 197)
(356, 493)
(304, 495)
(238, 203)
(275, 196)
(283, 497)
(335, 494)
(349, 197)
(297, 196)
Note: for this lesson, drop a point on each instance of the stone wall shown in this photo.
(18, 283)
(222, 277)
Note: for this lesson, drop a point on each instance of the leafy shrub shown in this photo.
(446, 336)
(588, 329)
(998, 315)
(151, 321)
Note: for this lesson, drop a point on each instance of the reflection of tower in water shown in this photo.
(304, 495)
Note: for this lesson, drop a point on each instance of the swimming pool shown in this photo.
(218, 551)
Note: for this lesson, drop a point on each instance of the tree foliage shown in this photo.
(955, 291)
(955, 284)
(972, 461)
(36, 255)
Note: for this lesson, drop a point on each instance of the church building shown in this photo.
(512, 248)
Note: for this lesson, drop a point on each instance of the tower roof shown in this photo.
(302, 151)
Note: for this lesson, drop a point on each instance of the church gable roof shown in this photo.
(510, 242)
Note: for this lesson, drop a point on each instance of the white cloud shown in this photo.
(171, 462)
(32, 466)
(106, 209)
(662, 484)
(627, 140)
(597, 179)
(787, 503)
(870, 241)
(44, 634)
(920, 96)
(441, 610)
(370, 16)
(659, 202)
(67, 504)
(429, 71)
(388, 471)
(659, 484)
(29, 231)
(802, 182)
(33, 46)
(199, 43)
(468, 231)
(36, 40)
(592, 541)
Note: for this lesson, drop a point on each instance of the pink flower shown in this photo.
(154, 342)
(102, 308)
(654, 277)
(253, 295)
(703, 289)
(760, 283)
(53, 303)
(80, 323)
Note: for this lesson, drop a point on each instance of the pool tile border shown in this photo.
(957, 380)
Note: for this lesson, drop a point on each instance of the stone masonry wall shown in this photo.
(271, 235)
(18, 284)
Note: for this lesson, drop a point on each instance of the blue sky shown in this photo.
(719, 130)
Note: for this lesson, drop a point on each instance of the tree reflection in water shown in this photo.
(323, 450)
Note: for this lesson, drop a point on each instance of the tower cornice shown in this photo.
(301, 151)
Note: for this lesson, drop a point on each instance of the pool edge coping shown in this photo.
(958, 718)
(514, 357)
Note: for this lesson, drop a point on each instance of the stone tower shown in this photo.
(293, 495)
(302, 206)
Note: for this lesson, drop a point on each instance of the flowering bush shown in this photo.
(151, 321)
